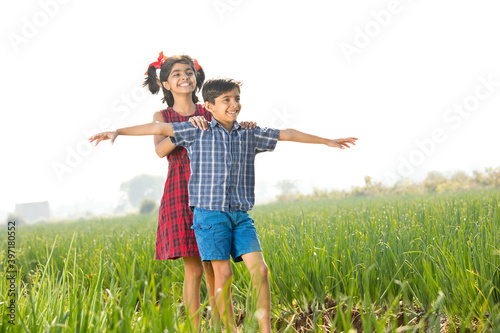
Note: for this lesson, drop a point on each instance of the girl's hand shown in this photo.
(342, 143)
(104, 136)
(248, 124)
(199, 122)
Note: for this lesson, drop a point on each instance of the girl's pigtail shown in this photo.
(152, 83)
(200, 78)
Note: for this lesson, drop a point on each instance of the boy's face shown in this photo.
(226, 107)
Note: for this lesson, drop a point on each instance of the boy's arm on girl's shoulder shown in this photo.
(291, 134)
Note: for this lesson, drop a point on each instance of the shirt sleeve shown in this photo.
(266, 139)
(184, 134)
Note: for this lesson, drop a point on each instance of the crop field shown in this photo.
(424, 263)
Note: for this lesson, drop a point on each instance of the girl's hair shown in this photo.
(213, 88)
(153, 83)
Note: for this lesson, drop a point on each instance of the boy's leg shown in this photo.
(260, 280)
(246, 247)
(210, 281)
(222, 299)
(213, 235)
(193, 273)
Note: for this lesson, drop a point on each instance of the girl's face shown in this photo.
(182, 79)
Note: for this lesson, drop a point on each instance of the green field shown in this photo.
(411, 264)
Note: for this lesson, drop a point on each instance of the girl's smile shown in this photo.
(182, 79)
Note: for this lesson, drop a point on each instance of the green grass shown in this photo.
(422, 262)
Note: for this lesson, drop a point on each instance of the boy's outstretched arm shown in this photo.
(291, 134)
(156, 128)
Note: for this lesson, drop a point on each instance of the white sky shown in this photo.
(389, 72)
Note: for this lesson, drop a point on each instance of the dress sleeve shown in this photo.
(266, 139)
(184, 134)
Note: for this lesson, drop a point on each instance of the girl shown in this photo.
(180, 78)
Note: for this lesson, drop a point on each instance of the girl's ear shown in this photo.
(166, 85)
(208, 106)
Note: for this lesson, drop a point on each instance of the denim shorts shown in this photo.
(221, 235)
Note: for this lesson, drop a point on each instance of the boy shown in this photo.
(221, 188)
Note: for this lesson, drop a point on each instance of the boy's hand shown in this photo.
(342, 143)
(248, 124)
(104, 136)
(199, 122)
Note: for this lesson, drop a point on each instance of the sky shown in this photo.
(417, 81)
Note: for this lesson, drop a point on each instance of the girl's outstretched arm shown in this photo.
(291, 134)
(146, 129)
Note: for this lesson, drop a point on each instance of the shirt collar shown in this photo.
(214, 123)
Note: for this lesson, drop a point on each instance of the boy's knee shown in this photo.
(261, 271)
(226, 274)
(264, 270)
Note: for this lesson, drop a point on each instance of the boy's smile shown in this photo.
(226, 108)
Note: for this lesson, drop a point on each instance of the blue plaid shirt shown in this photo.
(222, 163)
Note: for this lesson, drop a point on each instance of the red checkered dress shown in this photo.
(174, 237)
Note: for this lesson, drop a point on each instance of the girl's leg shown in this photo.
(260, 281)
(223, 303)
(193, 273)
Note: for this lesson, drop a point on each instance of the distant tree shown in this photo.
(433, 181)
(480, 178)
(492, 177)
(143, 186)
(147, 206)
(288, 190)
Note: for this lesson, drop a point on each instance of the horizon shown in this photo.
(90, 209)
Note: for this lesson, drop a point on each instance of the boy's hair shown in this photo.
(213, 88)
(153, 84)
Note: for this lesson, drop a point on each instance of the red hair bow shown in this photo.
(157, 63)
(196, 64)
(161, 60)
